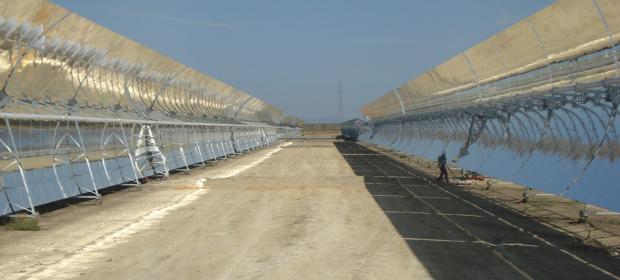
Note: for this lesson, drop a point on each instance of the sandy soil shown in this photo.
(289, 212)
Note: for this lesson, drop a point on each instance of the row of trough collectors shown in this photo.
(43, 162)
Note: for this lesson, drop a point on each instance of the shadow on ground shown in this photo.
(457, 235)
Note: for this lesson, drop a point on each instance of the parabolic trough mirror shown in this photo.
(83, 108)
(536, 104)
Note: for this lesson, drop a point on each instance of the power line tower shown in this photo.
(340, 114)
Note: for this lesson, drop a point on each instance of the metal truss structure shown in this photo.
(83, 108)
(536, 104)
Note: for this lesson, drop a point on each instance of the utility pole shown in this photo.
(340, 114)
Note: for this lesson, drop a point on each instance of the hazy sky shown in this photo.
(292, 53)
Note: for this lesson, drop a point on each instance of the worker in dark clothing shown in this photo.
(443, 171)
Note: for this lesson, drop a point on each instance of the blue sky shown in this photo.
(292, 53)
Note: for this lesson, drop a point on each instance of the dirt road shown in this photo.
(302, 210)
(298, 212)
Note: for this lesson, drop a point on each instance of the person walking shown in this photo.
(441, 163)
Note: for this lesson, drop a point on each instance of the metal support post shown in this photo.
(17, 161)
